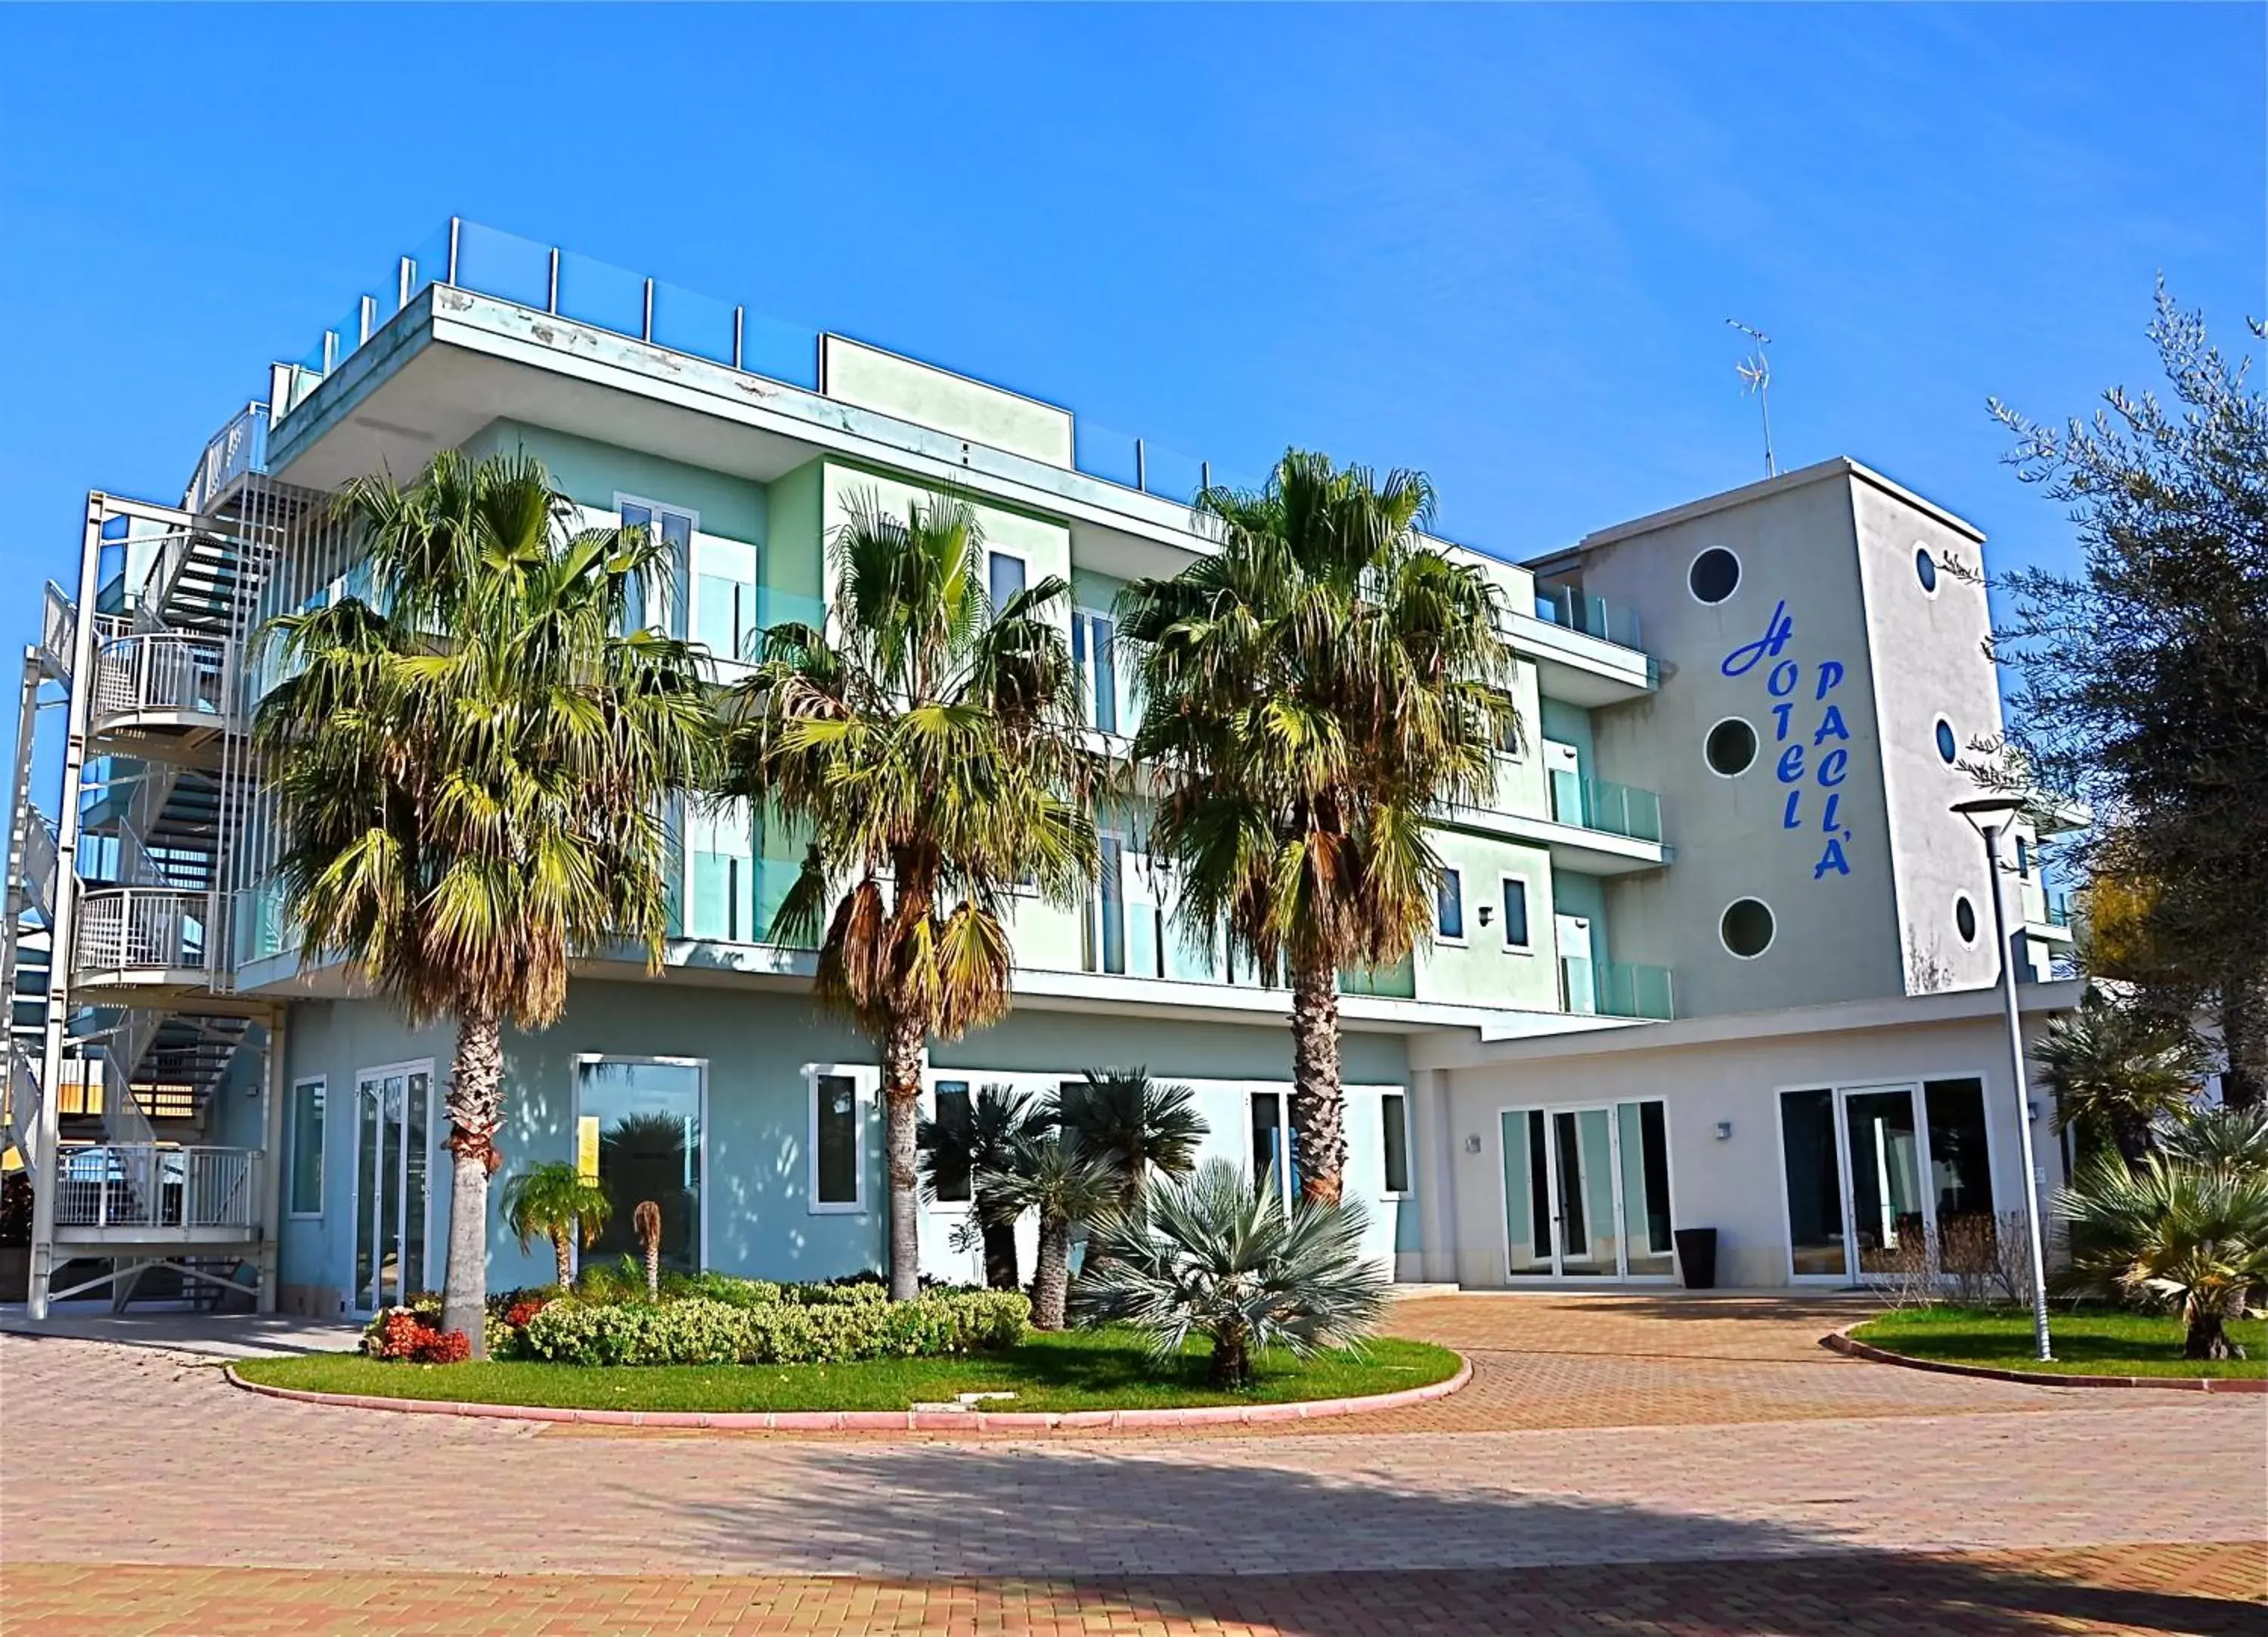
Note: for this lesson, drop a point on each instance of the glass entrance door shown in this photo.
(393, 1155)
(1855, 1162)
(1889, 1213)
(1586, 1192)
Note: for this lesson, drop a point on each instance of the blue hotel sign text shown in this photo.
(1812, 742)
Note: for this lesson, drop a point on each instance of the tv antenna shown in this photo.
(1755, 371)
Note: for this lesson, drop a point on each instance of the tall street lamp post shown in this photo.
(1992, 816)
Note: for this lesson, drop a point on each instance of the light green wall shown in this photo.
(795, 565)
(1570, 724)
(593, 474)
(1584, 895)
(1483, 971)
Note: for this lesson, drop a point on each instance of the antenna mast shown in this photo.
(1755, 371)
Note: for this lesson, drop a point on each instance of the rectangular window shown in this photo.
(1105, 931)
(641, 1120)
(837, 1173)
(1449, 906)
(1961, 1174)
(1644, 1139)
(1507, 729)
(307, 1148)
(2023, 858)
(721, 902)
(1094, 648)
(1004, 577)
(1394, 1117)
(725, 597)
(954, 1126)
(1515, 912)
(1271, 1145)
(676, 528)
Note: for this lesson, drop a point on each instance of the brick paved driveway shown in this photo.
(1660, 1432)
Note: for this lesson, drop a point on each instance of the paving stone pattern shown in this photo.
(1618, 1463)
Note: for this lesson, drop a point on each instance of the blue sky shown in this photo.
(1499, 244)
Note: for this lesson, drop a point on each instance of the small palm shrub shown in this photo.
(1216, 1257)
(998, 1116)
(1069, 1187)
(2187, 1229)
(556, 1201)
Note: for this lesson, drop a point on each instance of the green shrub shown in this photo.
(726, 1288)
(702, 1330)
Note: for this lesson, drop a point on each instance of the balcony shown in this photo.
(1615, 988)
(125, 1193)
(1593, 616)
(144, 930)
(1602, 805)
(160, 682)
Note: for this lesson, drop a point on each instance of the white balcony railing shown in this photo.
(122, 928)
(160, 670)
(143, 1184)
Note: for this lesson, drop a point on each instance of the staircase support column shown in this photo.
(271, 1166)
(61, 956)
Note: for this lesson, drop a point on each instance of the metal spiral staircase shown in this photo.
(125, 1037)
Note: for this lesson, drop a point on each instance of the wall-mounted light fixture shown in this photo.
(1487, 912)
(1472, 1142)
(1724, 1130)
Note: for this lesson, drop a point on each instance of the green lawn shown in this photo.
(1105, 1369)
(2092, 1342)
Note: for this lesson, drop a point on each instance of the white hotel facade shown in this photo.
(1716, 955)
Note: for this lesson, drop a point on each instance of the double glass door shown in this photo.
(1586, 1192)
(1878, 1175)
(394, 1151)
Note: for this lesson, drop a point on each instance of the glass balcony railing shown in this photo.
(2058, 908)
(1615, 988)
(1622, 810)
(1593, 616)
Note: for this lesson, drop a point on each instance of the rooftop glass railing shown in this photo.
(470, 256)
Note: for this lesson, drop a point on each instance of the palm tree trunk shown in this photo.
(563, 1254)
(1052, 1280)
(653, 1270)
(901, 1117)
(2244, 1036)
(475, 1105)
(2208, 1337)
(1318, 1107)
(1232, 1357)
(1000, 1270)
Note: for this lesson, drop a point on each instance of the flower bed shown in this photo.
(712, 1320)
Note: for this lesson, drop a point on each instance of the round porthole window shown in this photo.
(1730, 747)
(1925, 569)
(1964, 920)
(1715, 575)
(1947, 747)
(1747, 928)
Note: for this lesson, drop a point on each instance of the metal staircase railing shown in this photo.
(160, 670)
(38, 843)
(23, 1111)
(150, 1184)
(121, 928)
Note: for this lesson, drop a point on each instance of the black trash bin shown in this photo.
(1697, 1256)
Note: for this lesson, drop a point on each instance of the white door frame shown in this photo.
(400, 1180)
(1917, 1089)
(1619, 1205)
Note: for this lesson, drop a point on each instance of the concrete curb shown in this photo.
(1842, 1342)
(890, 1421)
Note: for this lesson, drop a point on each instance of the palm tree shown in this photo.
(470, 769)
(1318, 689)
(2171, 1232)
(930, 747)
(646, 1223)
(1069, 1188)
(556, 1201)
(1218, 1258)
(998, 1115)
(1137, 1124)
(2117, 1069)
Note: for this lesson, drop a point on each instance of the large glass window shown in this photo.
(954, 1122)
(725, 597)
(643, 1119)
(307, 1148)
(1106, 917)
(676, 531)
(1815, 1181)
(1645, 1141)
(1393, 1121)
(1094, 648)
(1961, 1173)
(836, 1171)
